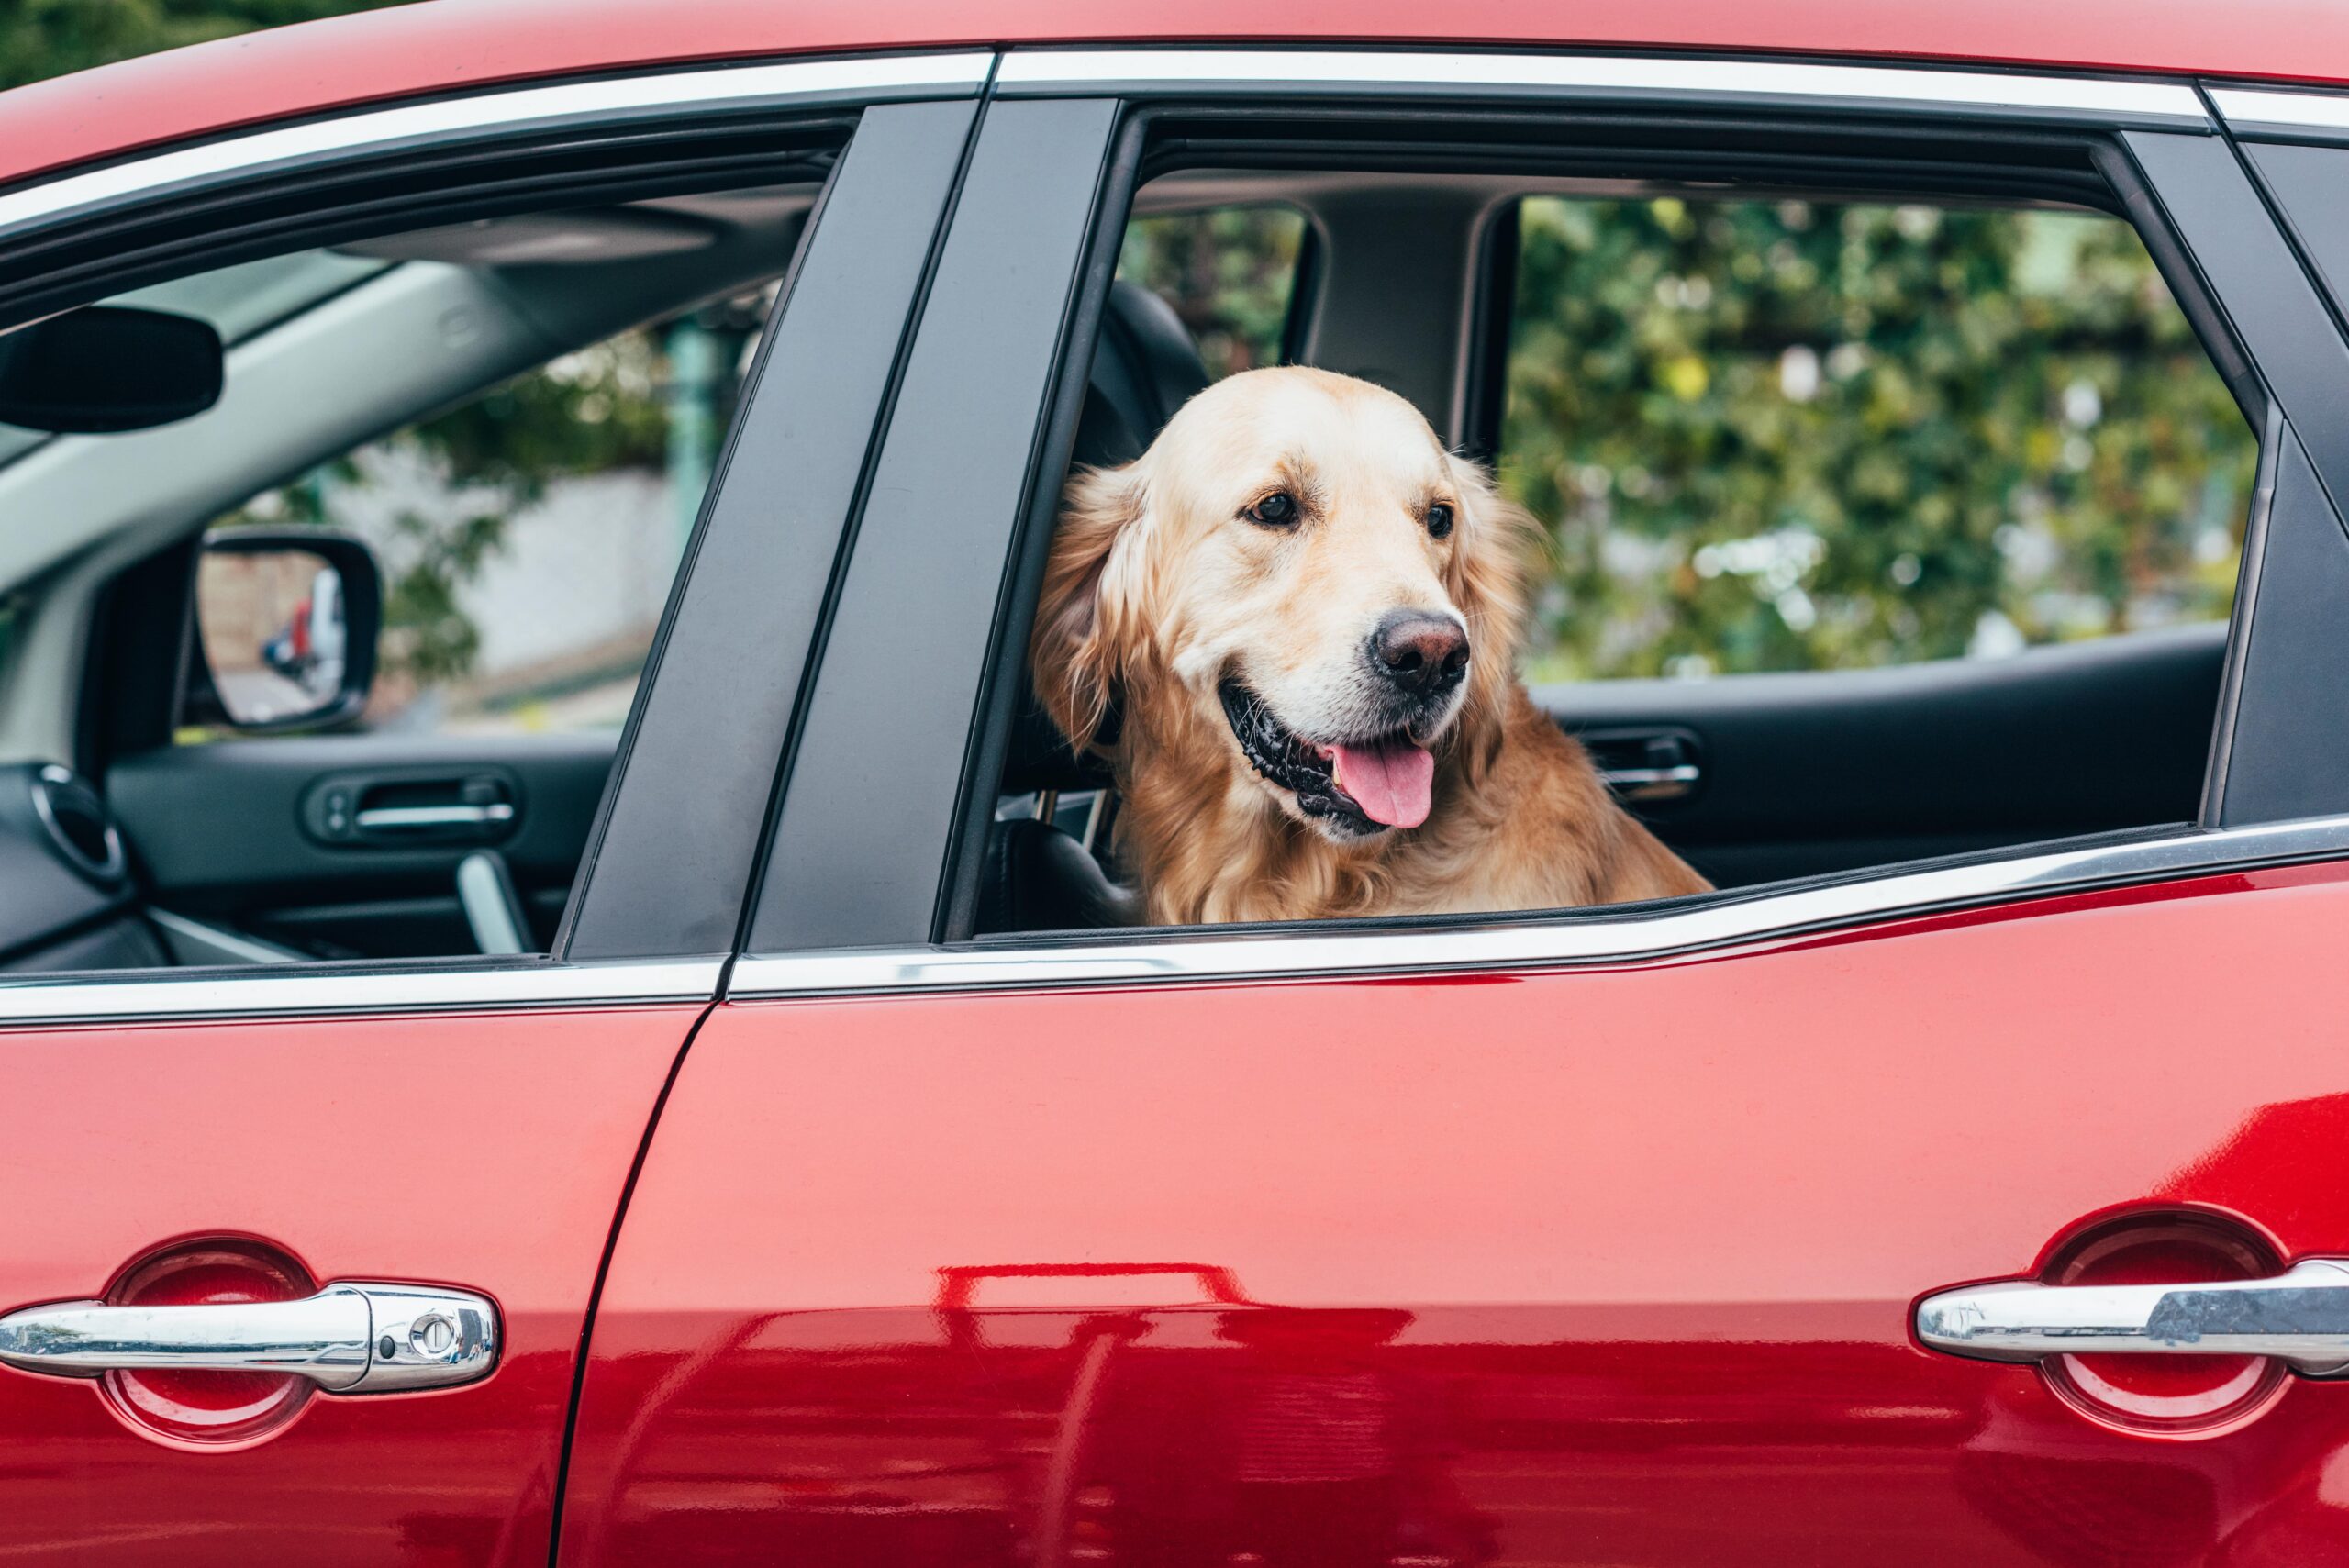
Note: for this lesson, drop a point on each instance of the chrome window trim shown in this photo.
(1794, 84)
(1665, 933)
(318, 990)
(2251, 111)
(811, 84)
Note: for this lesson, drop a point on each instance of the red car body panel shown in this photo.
(1624, 1257)
(1631, 1252)
(426, 49)
(488, 1151)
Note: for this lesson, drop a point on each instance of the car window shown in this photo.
(526, 536)
(366, 589)
(1796, 435)
(1923, 449)
(1229, 272)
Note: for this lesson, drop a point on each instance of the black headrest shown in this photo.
(1144, 368)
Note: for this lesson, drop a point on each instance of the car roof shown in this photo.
(438, 45)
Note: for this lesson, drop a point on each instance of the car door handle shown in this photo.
(1653, 783)
(1646, 766)
(376, 820)
(350, 1338)
(2301, 1317)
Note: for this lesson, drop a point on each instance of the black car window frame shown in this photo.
(912, 853)
(666, 878)
(2283, 751)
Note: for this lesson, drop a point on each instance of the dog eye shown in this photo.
(1439, 520)
(1278, 510)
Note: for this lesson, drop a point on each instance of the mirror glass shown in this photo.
(274, 632)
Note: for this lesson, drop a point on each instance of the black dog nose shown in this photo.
(1425, 654)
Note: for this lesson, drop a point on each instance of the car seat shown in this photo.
(1037, 876)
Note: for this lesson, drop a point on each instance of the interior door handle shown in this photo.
(376, 818)
(1646, 765)
(2301, 1317)
(350, 1338)
(1651, 783)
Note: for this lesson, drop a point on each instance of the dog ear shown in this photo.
(1487, 580)
(1072, 653)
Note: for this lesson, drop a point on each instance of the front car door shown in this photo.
(195, 1154)
(1657, 1237)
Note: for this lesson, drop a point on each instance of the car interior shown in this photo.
(142, 825)
(1753, 778)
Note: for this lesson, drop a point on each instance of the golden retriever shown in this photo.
(1304, 612)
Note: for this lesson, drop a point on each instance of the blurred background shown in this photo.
(527, 536)
(1797, 435)
(1760, 434)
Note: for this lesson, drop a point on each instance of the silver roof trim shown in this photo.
(315, 991)
(796, 85)
(2251, 110)
(1532, 944)
(2022, 95)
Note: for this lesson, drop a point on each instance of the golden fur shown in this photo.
(1158, 586)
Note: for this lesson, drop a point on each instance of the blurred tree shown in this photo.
(1227, 272)
(1793, 435)
(601, 409)
(1787, 435)
(1761, 435)
(50, 38)
(489, 457)
(590, 412)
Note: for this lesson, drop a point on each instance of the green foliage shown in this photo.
(1792, 434)
(1785, 436)
(1227, 272)
(597, 409)
(590, 412)
(47, 38)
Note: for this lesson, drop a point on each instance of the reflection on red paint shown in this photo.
(209, 1409)
(1592, 1267)
(493, 1155)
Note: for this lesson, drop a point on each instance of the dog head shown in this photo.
(1299, 569)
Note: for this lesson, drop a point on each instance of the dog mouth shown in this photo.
(1361, 786)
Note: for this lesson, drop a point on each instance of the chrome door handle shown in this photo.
(351, 1338)
(1647, 765)
(376, 818)
(2301, 1317)
(1651, 783)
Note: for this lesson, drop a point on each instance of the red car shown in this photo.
(747, 1135)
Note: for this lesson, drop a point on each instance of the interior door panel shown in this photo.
(244, 831)
(1392, 1268)
(1807, 774)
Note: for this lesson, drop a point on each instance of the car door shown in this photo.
(1760, 1229)
(299, 1261)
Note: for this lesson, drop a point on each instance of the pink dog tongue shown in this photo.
(1389, 780)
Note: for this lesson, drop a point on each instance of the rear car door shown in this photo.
(301, 1259)
(1772, 1229)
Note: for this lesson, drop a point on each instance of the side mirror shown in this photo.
(285, 623)
(108, 368)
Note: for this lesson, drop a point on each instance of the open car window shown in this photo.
(366, 628)
(1957, 474)
(528, 534)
